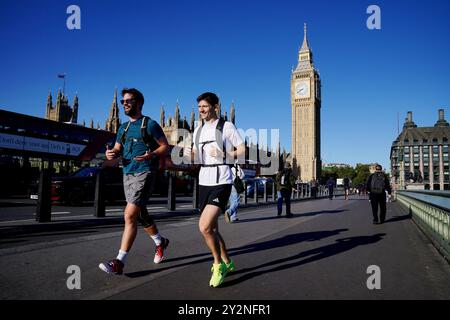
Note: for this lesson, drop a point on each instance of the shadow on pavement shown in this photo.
(398, 218)
(284, 241)
(341, 245)
(294, 215)
(73, 227)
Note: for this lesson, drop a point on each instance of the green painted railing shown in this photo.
(431, 211)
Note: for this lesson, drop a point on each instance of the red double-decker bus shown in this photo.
(27, 143)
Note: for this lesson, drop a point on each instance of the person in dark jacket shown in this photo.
(377, 185)
(346, 187)
(285, 181)
(314, 186)
(331, 184)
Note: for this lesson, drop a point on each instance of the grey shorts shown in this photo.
(138, 187)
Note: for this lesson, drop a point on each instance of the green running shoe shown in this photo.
(219, 271)
(230, 266)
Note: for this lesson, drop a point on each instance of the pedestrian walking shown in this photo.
(285, 182)
(346, 187)
(331, 184)
(314, 186)
(377, 185)
(235, 197)
(141, 142)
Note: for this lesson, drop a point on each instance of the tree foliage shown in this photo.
(356, 175)
(362, 174)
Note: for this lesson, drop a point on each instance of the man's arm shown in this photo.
(369, 180)
(160, 151)
(114, 152)
(232, 155)
(155, 130)
(387, 185)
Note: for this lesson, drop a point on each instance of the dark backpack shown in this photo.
(377, 184)
(147, 138)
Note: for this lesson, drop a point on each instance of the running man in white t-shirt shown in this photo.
(215, 178)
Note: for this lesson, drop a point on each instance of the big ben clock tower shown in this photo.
(306, 103)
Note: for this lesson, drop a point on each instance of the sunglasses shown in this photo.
(128, 101)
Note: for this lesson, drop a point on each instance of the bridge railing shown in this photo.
(431, 211)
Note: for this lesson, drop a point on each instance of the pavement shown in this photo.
(328, 250)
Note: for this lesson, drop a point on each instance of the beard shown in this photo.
(131, 112)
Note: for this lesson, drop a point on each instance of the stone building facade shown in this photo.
(419, 155)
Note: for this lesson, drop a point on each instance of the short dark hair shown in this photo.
(378, 167)
(137, 95)
(210, 97)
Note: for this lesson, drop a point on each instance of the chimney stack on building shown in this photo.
(441, 120)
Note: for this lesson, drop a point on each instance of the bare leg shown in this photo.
(208, 227)
(152, 230)
(223, 248)
(129, 234)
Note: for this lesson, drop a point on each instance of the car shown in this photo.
(260, 183)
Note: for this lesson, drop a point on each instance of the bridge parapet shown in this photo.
(431, 212)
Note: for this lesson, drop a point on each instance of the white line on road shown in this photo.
(12, 221)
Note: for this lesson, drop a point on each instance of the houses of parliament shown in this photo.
(63, 112)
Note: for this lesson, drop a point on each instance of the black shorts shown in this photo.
(215, 195)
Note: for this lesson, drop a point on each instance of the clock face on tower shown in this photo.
(301, 89)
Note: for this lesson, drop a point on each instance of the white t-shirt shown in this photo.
(230, 137)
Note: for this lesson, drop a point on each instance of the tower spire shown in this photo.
(177, 115)
(192, 121)
(113, 122)
(305, 55)
(162, 116)
(49, 105)
(232, 113)
(305, 45)
(74, 116)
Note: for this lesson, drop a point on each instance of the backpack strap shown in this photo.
(219, 135)
(146, 137)
(123, 137)
(149, 141)
(196, 139)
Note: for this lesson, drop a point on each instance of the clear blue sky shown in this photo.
(244, 51)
